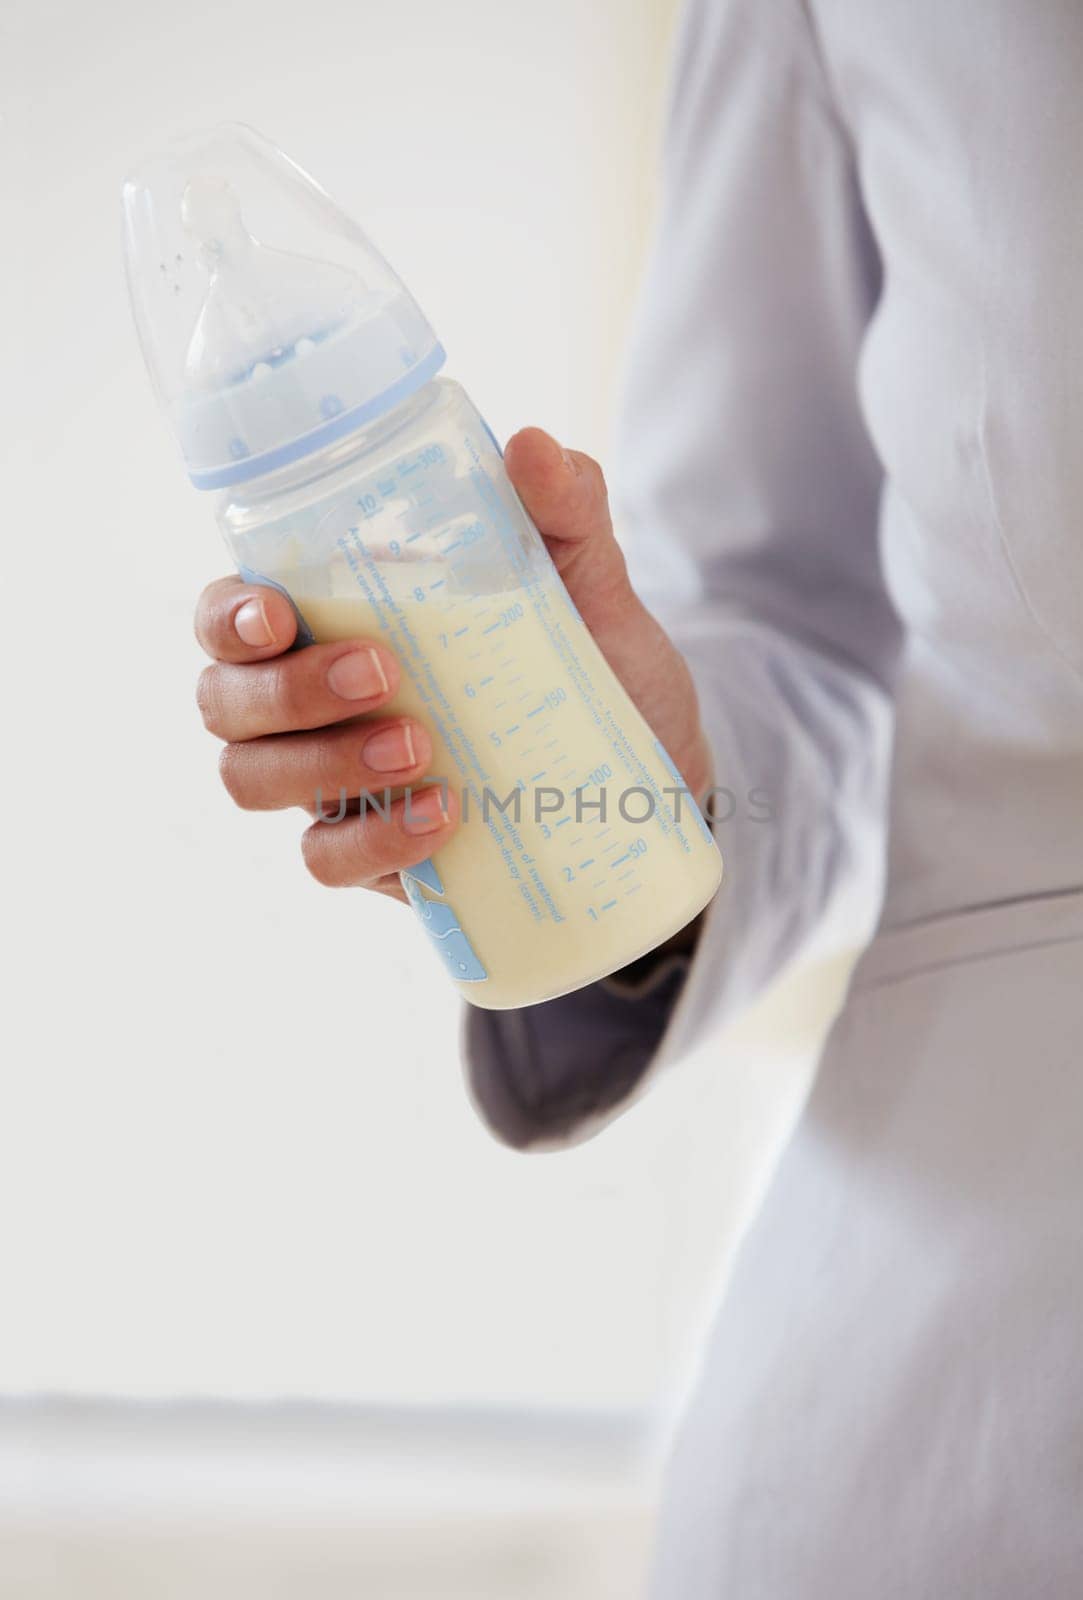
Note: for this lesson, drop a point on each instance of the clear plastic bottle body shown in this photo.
(579, 850)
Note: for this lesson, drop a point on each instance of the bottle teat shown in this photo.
(263, 306)
(262, 354)
(211, 213)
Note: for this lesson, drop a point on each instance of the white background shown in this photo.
(235, 1152)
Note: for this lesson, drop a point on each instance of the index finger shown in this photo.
(239, 621)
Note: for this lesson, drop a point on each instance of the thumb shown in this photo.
(563, 490)
(565, 495)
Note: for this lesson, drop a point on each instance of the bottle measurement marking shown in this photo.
(616, 861)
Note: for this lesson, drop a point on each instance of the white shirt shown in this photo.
(852, 485)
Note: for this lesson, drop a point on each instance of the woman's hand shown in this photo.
(315, 719)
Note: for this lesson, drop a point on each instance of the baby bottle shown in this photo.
(303, 384)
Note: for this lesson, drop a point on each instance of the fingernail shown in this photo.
(358, 676)
(251, 625)
(390, 750)
(424, 812)
(569, 460)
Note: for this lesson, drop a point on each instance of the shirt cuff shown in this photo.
(551, 1075)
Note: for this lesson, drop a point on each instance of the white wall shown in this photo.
(235, 1155)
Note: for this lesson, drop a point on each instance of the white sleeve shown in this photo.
(747, 496)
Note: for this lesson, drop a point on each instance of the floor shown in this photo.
(111, 1501)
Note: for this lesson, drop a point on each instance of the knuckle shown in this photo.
(320, 857)
(348, 853)
(232, 769)
(200, 619)
(595, 477)
(209, 698)
(206, 619)
(325, 765)
(285, 701)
